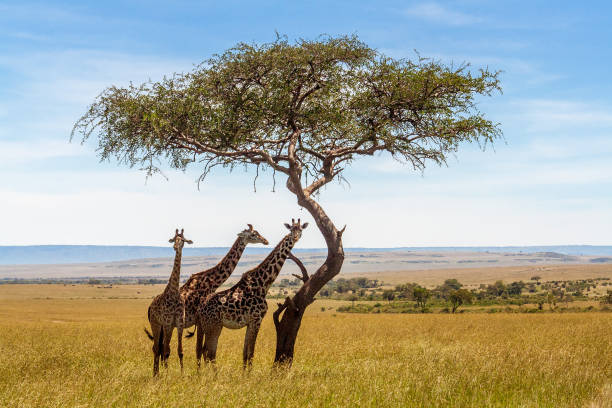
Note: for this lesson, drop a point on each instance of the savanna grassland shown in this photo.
(84, 346)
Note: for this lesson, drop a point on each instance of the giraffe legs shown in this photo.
(179, 349)
(157, 333)
(213, 331)
(199, 340)
(249, 343)
(166, 351)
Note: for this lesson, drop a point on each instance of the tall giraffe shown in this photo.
(244, 304)
(201, 284)
(167, 311)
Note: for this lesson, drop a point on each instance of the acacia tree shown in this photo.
(459, 297)
(388, 295)
(304, 109)
(421, 296)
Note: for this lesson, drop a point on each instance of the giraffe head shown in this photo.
(251, 236)
(296, 229)
(179, 240)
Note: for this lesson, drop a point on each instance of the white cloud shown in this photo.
(79, 75)
(212, 217)
(552, 115)
(575, 145)
(439, 14)
(416, 216)
(15, 152)
(511, 174)
(447, 218)
(58, 86)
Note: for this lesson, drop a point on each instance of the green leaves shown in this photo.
(307, 107)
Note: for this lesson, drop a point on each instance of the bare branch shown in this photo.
(299, 263)
(341, 232)
(255, 156)
(320, 182)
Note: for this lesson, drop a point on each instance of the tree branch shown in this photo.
(299, 263)
(320, 182)
(356, 150)
(256, 156)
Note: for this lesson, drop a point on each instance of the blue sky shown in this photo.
(549, 182)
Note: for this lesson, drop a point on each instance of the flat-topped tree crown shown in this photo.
(306, 109)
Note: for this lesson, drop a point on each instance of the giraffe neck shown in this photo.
(270, 267)
(173, 282)
(227, 265)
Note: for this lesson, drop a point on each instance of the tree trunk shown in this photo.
(286, 334)
(288, 326)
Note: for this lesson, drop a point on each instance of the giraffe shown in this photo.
(201, 284)
(167, 311)
(244, 304)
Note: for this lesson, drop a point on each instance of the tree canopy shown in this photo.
(459, 297)
(306, 108)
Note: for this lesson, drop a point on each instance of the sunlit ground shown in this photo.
(84, 346)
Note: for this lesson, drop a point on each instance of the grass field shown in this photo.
(84, 346)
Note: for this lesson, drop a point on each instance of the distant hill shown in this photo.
(68, 254)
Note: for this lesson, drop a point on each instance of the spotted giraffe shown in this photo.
(201, 284)
(244, 304)
(167, 311)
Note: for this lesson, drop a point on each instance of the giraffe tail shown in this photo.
(149, 335)
(189, 334)
(149, 318)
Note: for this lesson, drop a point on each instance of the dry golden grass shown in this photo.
(603, 400)
(74, 350)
